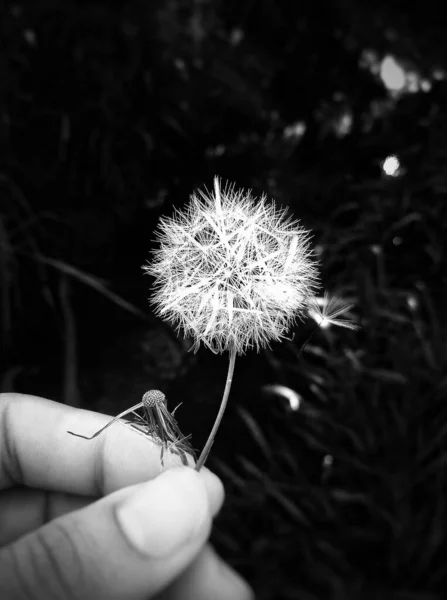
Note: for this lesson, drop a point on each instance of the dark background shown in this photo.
(111, 114)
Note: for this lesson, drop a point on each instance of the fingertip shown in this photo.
(215, 490)
(213, 485)
(166, 513)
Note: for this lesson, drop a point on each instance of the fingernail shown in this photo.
(166, 513)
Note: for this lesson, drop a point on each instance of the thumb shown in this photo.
(130, 544)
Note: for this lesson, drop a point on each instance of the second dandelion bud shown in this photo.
(234, 272)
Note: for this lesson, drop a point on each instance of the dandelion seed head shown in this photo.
(232, 271)
(152, 398)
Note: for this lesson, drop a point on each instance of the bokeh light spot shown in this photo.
(391, 166)
(392, 74)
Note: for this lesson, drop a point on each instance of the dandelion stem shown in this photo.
(223, 404)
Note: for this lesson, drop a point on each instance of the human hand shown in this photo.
(93, 520)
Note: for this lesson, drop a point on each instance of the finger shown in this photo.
(208, 577)
(37, 451)
(23, 510)
(130, 544)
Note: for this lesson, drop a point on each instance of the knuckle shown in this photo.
(10, 465)
(15, 581)
(46, 564)
(53, 564)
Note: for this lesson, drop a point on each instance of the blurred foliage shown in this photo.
(110, 114)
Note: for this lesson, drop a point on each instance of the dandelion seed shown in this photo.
(327, 311)
(156, 424)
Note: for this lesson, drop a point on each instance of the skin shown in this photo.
(101, 519)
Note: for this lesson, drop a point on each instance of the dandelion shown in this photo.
(234, 273)
(156, 424)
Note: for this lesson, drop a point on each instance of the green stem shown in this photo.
(223, 404)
